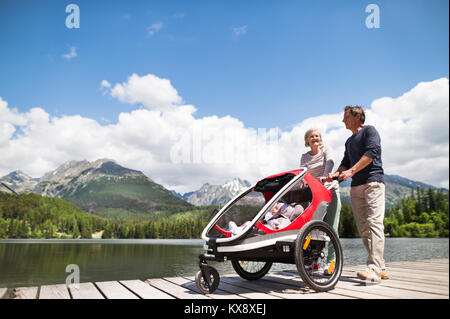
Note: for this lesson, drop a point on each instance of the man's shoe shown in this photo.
(384, 274)
(369, 274)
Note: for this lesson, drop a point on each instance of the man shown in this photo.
(362, 163)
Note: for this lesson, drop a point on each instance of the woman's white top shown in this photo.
(318, 165)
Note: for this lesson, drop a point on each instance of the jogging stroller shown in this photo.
(279, 220)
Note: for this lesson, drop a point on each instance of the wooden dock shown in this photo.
(421, 279)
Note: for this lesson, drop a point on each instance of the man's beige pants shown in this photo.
(368, 205)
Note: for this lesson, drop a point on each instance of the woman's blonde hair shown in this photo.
(308, 133)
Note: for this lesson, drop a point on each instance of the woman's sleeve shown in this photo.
(303, 160)
(329, 163)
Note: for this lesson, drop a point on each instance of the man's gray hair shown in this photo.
(356, 109)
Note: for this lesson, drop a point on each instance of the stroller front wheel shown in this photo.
(207, 280)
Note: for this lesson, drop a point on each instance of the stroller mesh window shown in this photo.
(297, 199)
(241, 212)
(300, 193)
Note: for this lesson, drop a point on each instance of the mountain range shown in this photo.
(105, 188)
(215, 194)
(397, 187)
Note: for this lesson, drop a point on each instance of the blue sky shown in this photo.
(243, 65)
(296, 59)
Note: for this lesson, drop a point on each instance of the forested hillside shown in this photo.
(424, 213)
(35, 216)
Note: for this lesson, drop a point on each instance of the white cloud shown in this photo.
(71, 54)
(105, 87)
(149, 90)
(173, 147)
(239, 31)
(154, 28)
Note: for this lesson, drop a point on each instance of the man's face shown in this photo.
(350, 121)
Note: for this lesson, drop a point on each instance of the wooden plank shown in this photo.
(406, 269)
(434, 260)
(416, 268)
(85, 290)
(430, 288)
(378, 289)
(190, 284)
(440, 261)
(144, 290)
(386, 290)
(268, 288)
(342, 291)
(280, 287)
(3, 292)
(25, 293)
(54, 292)
(412, 275)
(174, 290)
(424, 279)
(114, 290)
(421, 266)
(412, 281)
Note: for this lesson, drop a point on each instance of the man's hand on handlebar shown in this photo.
(331, 177)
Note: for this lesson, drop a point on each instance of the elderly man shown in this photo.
(362, 163)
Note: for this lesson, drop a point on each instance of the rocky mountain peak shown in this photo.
(75, 173)
(236, 186)
(19, 181)
(216, 194)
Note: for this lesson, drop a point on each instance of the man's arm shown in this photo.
(330, 176)
(363, 162)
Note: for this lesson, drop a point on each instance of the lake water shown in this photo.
(37, 262)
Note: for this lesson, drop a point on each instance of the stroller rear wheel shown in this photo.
(251, 270)
(318, 256)
(207, 279)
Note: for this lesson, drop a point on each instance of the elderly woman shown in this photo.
(319, 163)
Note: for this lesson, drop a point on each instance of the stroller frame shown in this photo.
(259, 243)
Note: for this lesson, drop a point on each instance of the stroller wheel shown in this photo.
(251, 270)
(207, 280)
(318, 256)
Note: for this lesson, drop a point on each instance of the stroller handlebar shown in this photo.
(336, 181)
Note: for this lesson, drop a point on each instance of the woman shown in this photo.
(319, 163)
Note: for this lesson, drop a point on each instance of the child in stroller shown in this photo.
(280, 216)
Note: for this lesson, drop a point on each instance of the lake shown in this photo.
(27, 262)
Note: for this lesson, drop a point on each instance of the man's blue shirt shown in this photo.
(366, 142)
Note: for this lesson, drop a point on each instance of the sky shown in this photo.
(201, 91)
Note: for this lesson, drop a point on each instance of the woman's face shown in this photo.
(314, 139)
